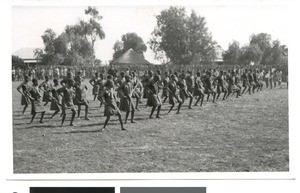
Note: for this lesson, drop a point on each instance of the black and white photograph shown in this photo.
(150, 88)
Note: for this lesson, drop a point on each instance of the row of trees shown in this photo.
(75, 46)
(260, 50)
(178, 37)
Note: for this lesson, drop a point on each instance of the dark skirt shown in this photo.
(165, 93)
(198, 91)
(174, 98)
(111, 109)
(24, 100)
(100, 96)
(245, 83)
(137, 94)
(145, 94)
(221, 89)
(183, 94)
(258, 83)
(153, 100)
(37, 107)
(209, 90)
(46, 97)
(80, 101)
(96, 89)
(67, 106)
(54, 106)
(191, 89)
(126, 104)
(233, 88)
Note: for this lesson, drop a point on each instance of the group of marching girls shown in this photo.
(123, 92)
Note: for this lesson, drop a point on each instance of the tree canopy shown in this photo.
(233, 54)
(90, 30)
(75, 46)
(181, 37)
(129, 40)
(17, 62)
(261, 50)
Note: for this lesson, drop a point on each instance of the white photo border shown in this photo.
(6, 133)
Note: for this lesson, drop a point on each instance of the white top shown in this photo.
(267, 75)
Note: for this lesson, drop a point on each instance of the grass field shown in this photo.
(236, 135)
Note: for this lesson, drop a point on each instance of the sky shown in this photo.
(226, 23)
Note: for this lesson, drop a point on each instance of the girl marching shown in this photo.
(96, 86)
(54, 105)
(199, 89)
(25, 89)
(36, 102)
(46, 86)
(67, 100)
(154, 100)
(110, 104)
(183, 90)
(80, 97)
(126, 103)
(137, 92)
(174, 93)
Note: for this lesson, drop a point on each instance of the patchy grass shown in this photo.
(236, 135)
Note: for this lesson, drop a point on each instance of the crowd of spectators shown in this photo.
(59, 72)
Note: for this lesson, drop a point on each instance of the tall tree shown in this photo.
(233, 54)
(48, 53)
(273, 53)
(285, 54)
(91, 30)
(48, 39)
(181, 37)
(75, 46)
(55, 50)
(264, 42)
(129, 41)
(277, 54)
(251, 54)
(118, 49)
(132, 40)
(200, 42)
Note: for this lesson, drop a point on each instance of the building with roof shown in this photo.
(27, 55)
(131, 58)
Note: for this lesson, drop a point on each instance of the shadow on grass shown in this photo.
(18, 124)
(21, 118)
(87, 131)
(91, 125)
(80, 131)
(98, 116)
(30, 126)
(165, 109)
(140, 118)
